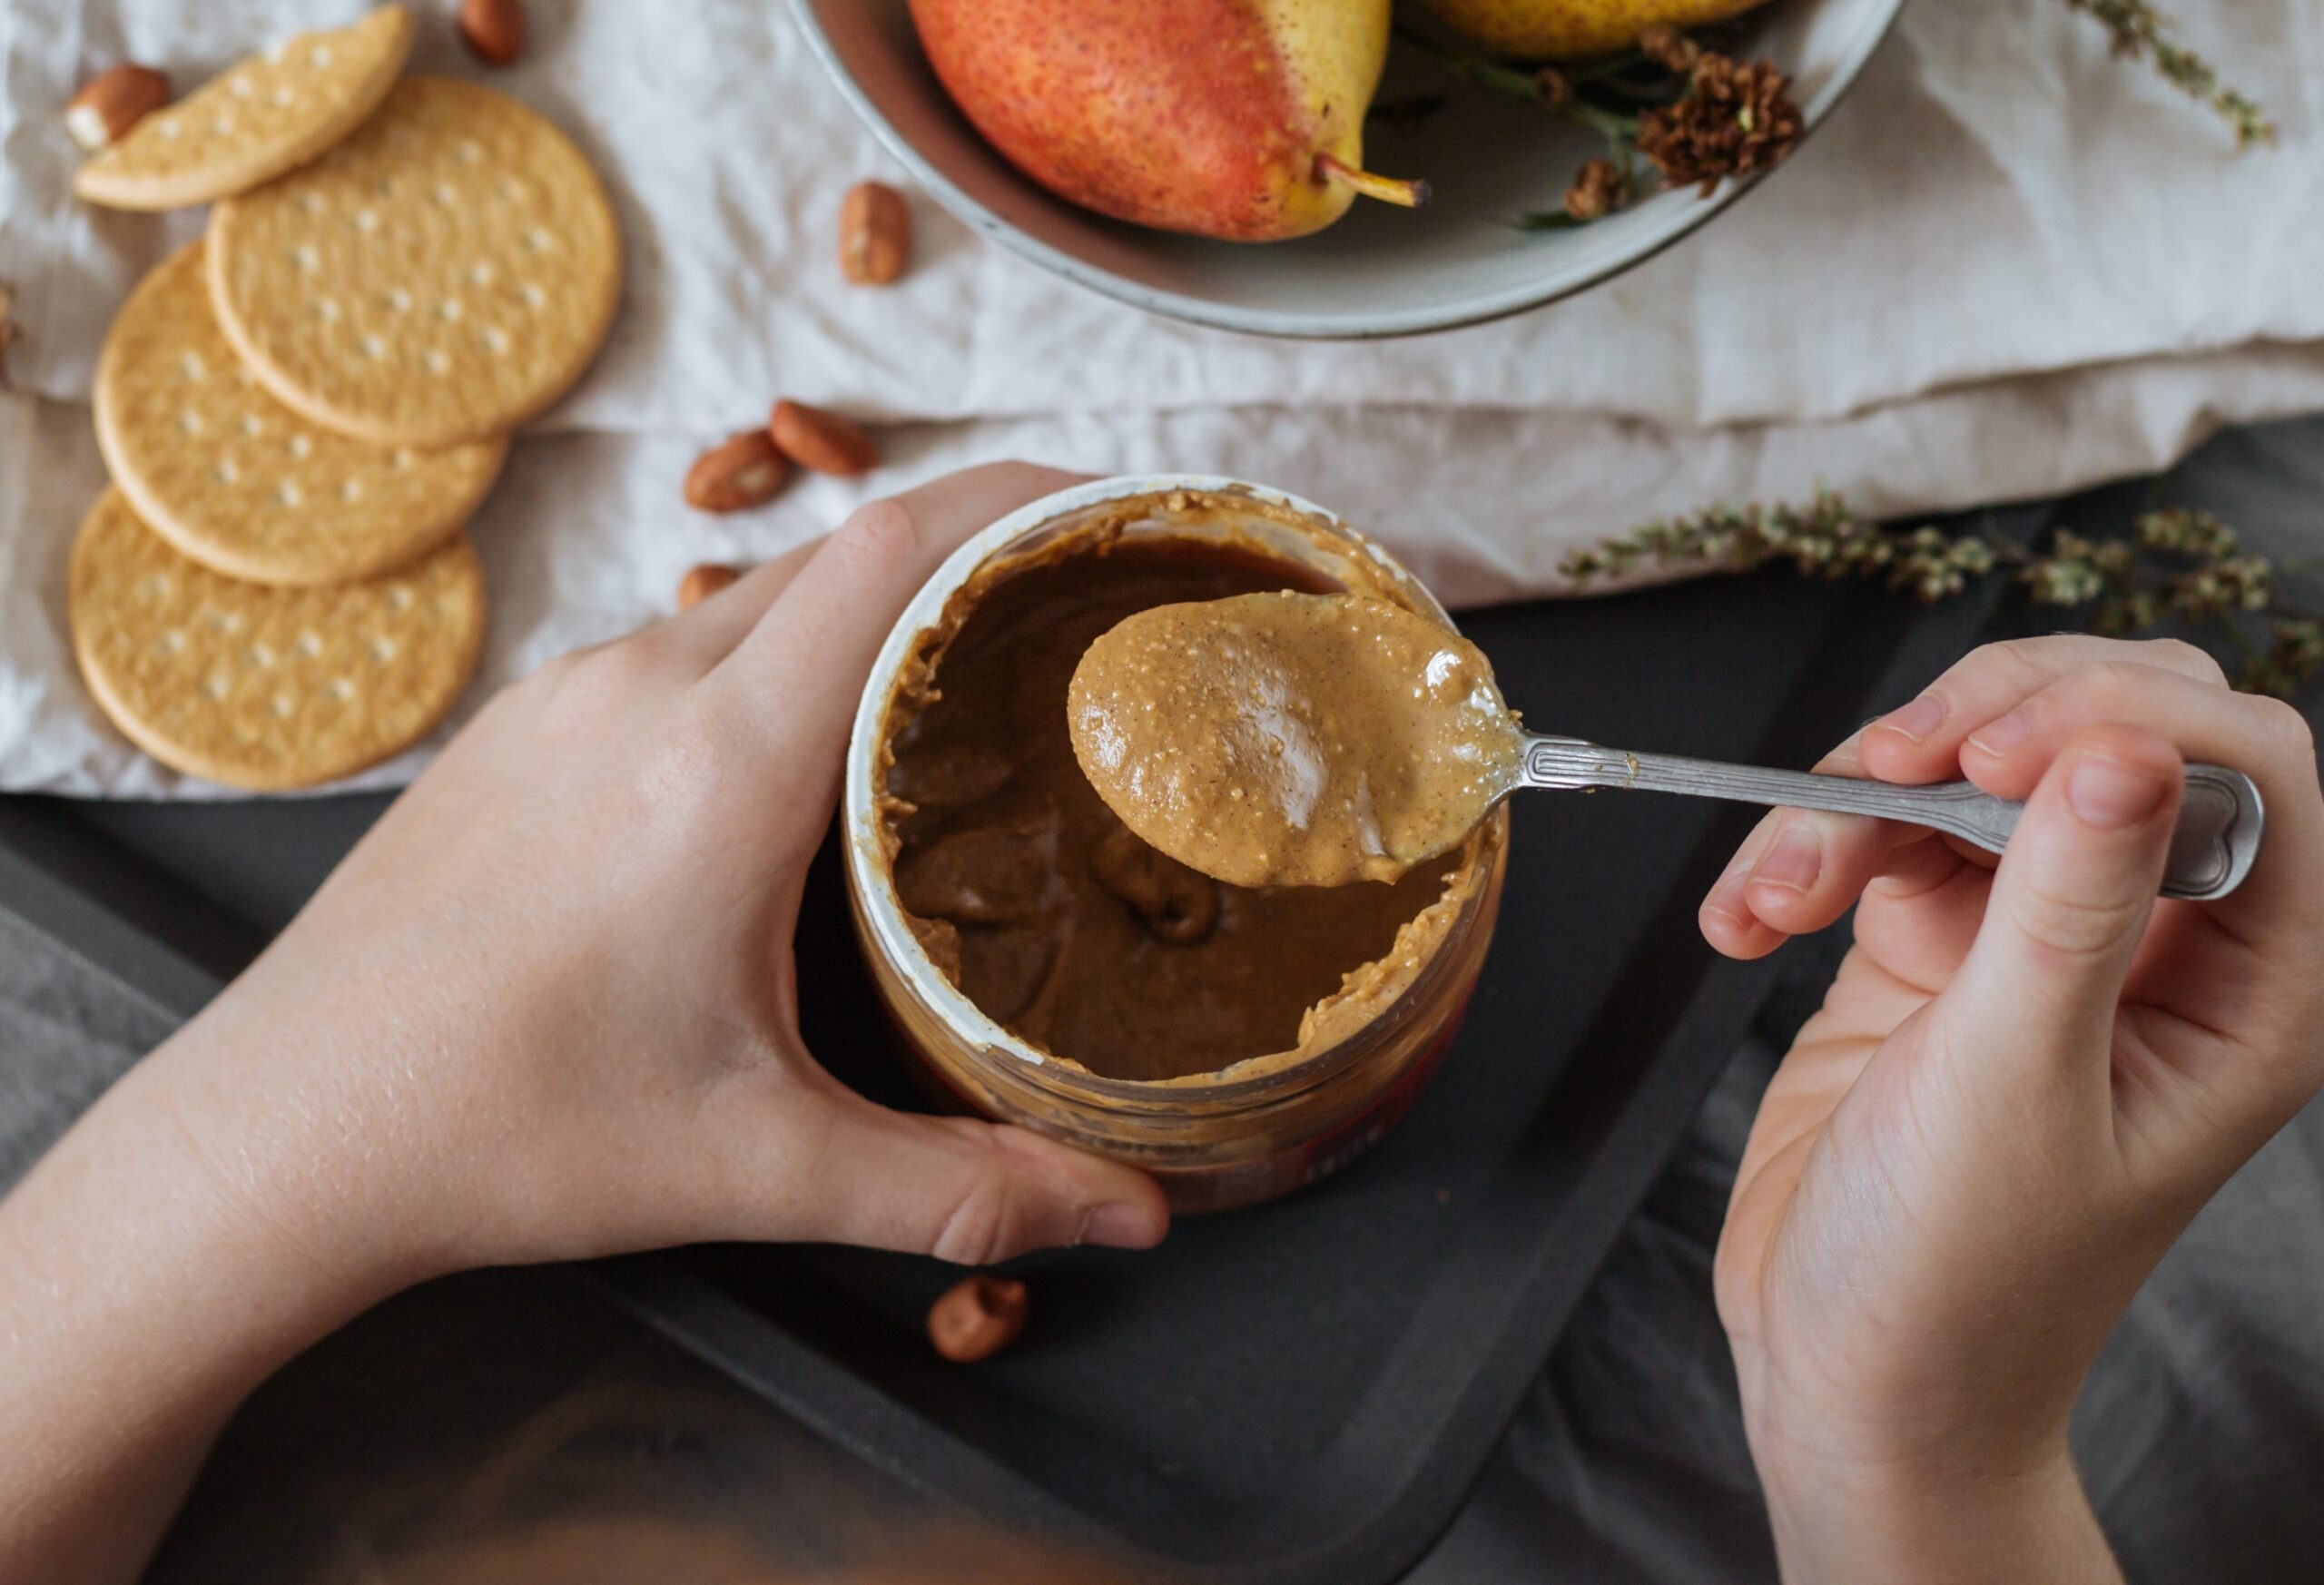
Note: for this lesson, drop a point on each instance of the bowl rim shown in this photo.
(1478, 307)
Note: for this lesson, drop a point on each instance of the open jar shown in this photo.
(1044, 967)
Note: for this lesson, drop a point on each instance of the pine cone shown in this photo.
(1736, 119)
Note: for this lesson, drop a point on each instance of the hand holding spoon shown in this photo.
(1317, 740)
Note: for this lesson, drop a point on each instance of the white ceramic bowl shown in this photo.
(1381, 272)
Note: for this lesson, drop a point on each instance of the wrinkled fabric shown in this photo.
(2009, 266)
(1997, 196)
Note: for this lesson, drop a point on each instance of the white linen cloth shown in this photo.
(2009, 266)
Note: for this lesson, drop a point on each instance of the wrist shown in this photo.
(143, 1299)
(1846, 1513)
(231, 1170)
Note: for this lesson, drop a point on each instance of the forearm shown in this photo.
(144, 1292)
(1837, 1524)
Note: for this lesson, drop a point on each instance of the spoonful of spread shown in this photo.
(1319, 740)
(1292, 740)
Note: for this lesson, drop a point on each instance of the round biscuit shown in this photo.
(239, 482)
(265, 688)
(249, 124)
(470, 252)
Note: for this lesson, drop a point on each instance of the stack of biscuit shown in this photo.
(301, 410)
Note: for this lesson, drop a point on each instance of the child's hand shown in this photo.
(2022, 1084)
(547, 1008)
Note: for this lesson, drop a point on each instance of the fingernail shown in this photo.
(1917, 719)
(1998, 737)
(1121, 1226)
(1794, 861)
(2108, 794)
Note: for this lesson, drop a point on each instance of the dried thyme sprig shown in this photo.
(2295, 652)
(1550, 88)
(2178, 568)
(7, 328)
(2188, 569)
(1824, 539)
(2140, 33)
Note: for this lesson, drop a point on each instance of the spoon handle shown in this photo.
(2212, 850)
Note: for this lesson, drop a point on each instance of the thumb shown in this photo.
(970, 1192)
(2071, 899)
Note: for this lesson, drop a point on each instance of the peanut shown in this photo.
(704, 581)
(977, 1318)
(746, 469)
(823, 441)
(112, 102)
(874, 235)
(494, 30)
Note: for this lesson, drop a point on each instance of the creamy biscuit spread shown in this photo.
(1287, 739)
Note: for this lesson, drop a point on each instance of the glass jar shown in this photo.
(1259, 1127)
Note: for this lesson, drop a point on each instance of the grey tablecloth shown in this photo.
(2201, 1434)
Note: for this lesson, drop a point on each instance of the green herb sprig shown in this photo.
(2140, 33)
(2178, 570)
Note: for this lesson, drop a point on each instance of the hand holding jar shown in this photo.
(545, 1010)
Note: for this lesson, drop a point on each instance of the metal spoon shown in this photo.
(2211, 850)
(1316, 740)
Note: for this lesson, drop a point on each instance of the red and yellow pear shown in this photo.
(1565, 30)
(1241, 119)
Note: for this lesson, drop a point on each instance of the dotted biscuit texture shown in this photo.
(271, 114)
(267, 688)
(239, 482)
(442, 275)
